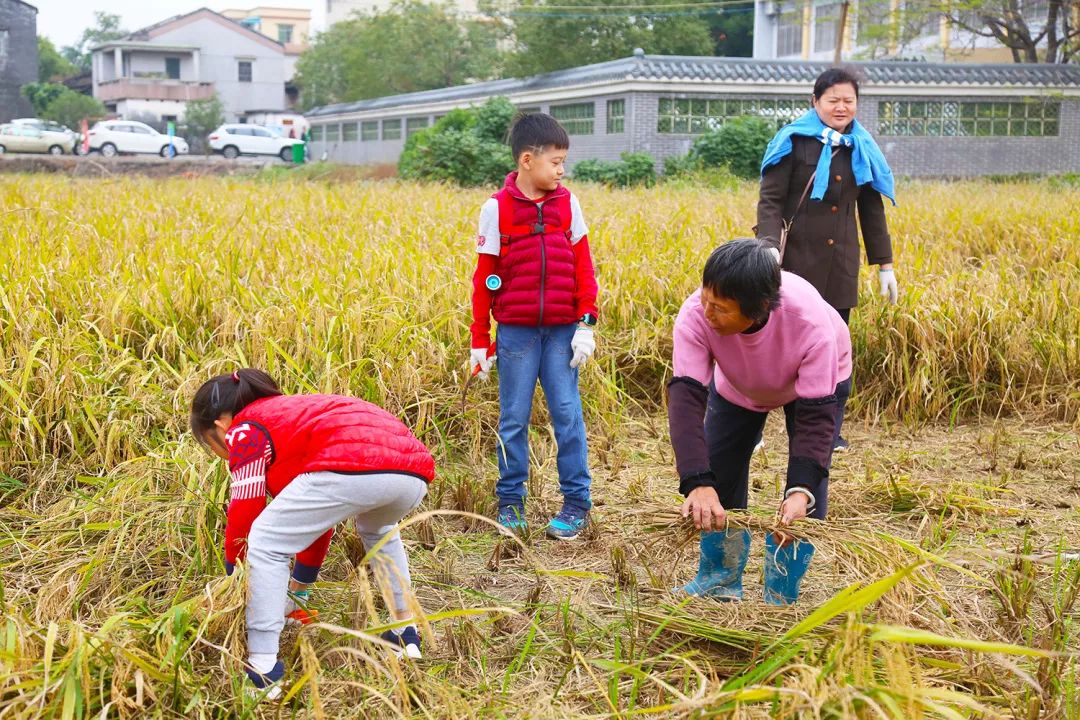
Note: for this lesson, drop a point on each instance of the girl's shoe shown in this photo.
(569, 523)
(265, 687)
(407, 643)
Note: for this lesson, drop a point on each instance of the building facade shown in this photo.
(153, 73)
(931, 119)
(810, 30)
(18, 57)
(289, 26)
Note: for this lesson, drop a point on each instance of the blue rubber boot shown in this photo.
(720, 567)
(785, 567)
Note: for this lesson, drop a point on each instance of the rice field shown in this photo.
(946, 579)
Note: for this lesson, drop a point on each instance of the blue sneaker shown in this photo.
(408, 642)
(785, 567)
(265, 687)
(569, 523)
(720, 565)
(512, 517)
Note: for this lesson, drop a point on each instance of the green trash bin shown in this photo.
(298, 153)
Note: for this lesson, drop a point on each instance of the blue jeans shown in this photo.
(526, 354)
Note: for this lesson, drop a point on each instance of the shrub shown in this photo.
(739, 144)
(632, 169)
(466, 147)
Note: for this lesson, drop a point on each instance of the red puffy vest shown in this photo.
(536, 259)
(309, 433)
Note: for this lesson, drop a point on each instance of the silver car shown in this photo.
(28, 139)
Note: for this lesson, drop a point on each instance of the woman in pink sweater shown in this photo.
(751, 340)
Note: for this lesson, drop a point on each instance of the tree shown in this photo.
(1032, 30)
(738, 144)
(411, 46)
(202, 117)
(70, 107)
(733, 32)
(106, 27)
(41, 95)
(556, 38)
(466, 146)
(51, 64)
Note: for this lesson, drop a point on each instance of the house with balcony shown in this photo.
(153, 73)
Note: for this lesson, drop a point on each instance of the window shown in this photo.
(172, 68)
(369, 130)
(414, 125)
(4, 33)
(284, 34)
(333, 133)
(826, 19)
(789, 31)
(316, 133)
(932, 118)
(261, 132)
(616, 116)
(243, 68)
(698, 115)
(391, 129)
(576, 118)
(348, 132)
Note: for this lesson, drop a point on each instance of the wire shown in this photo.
(637, 6)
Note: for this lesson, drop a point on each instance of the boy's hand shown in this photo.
(479, 357)
(704, 504)
(583, 344)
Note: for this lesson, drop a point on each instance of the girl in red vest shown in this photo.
(534, 273)
(323, 459)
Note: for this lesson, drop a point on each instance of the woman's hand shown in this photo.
(704, 504)
(887, 280)
(794, 508)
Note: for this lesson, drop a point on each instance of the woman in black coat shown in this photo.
(823, 241)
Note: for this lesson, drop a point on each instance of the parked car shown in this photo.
(233, 140)
(110, 137)
(27, 139)
(51, 126)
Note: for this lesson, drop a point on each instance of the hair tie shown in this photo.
(236, 376)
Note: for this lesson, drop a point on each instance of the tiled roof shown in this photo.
(674, 68)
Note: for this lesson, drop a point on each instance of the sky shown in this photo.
(63, 21)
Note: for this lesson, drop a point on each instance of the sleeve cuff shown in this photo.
(229, 567)
(306, 574)
(696, 480)
(803, 472)
(803, 491)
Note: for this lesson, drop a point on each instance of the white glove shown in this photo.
(583, 344)
(889, 290)
(479, 356)
(776, 254)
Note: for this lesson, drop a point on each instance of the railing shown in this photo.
(154, 89)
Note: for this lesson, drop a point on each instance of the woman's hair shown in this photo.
(835, 76)
(534, 131)
(228, 394)
(745, 271)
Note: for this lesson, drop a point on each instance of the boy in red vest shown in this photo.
(535, 275)
(324, 459)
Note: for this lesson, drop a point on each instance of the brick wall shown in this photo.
(18, 57)
(908, 156)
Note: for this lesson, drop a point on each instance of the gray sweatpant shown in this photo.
(307, 507)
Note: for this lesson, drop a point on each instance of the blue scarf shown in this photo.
(867, 161)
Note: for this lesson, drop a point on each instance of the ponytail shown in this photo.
(228, 394)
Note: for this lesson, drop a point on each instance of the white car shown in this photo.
(233, 140)
(110, 137)
(52, 130)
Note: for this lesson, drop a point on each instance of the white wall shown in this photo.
(221, 49)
